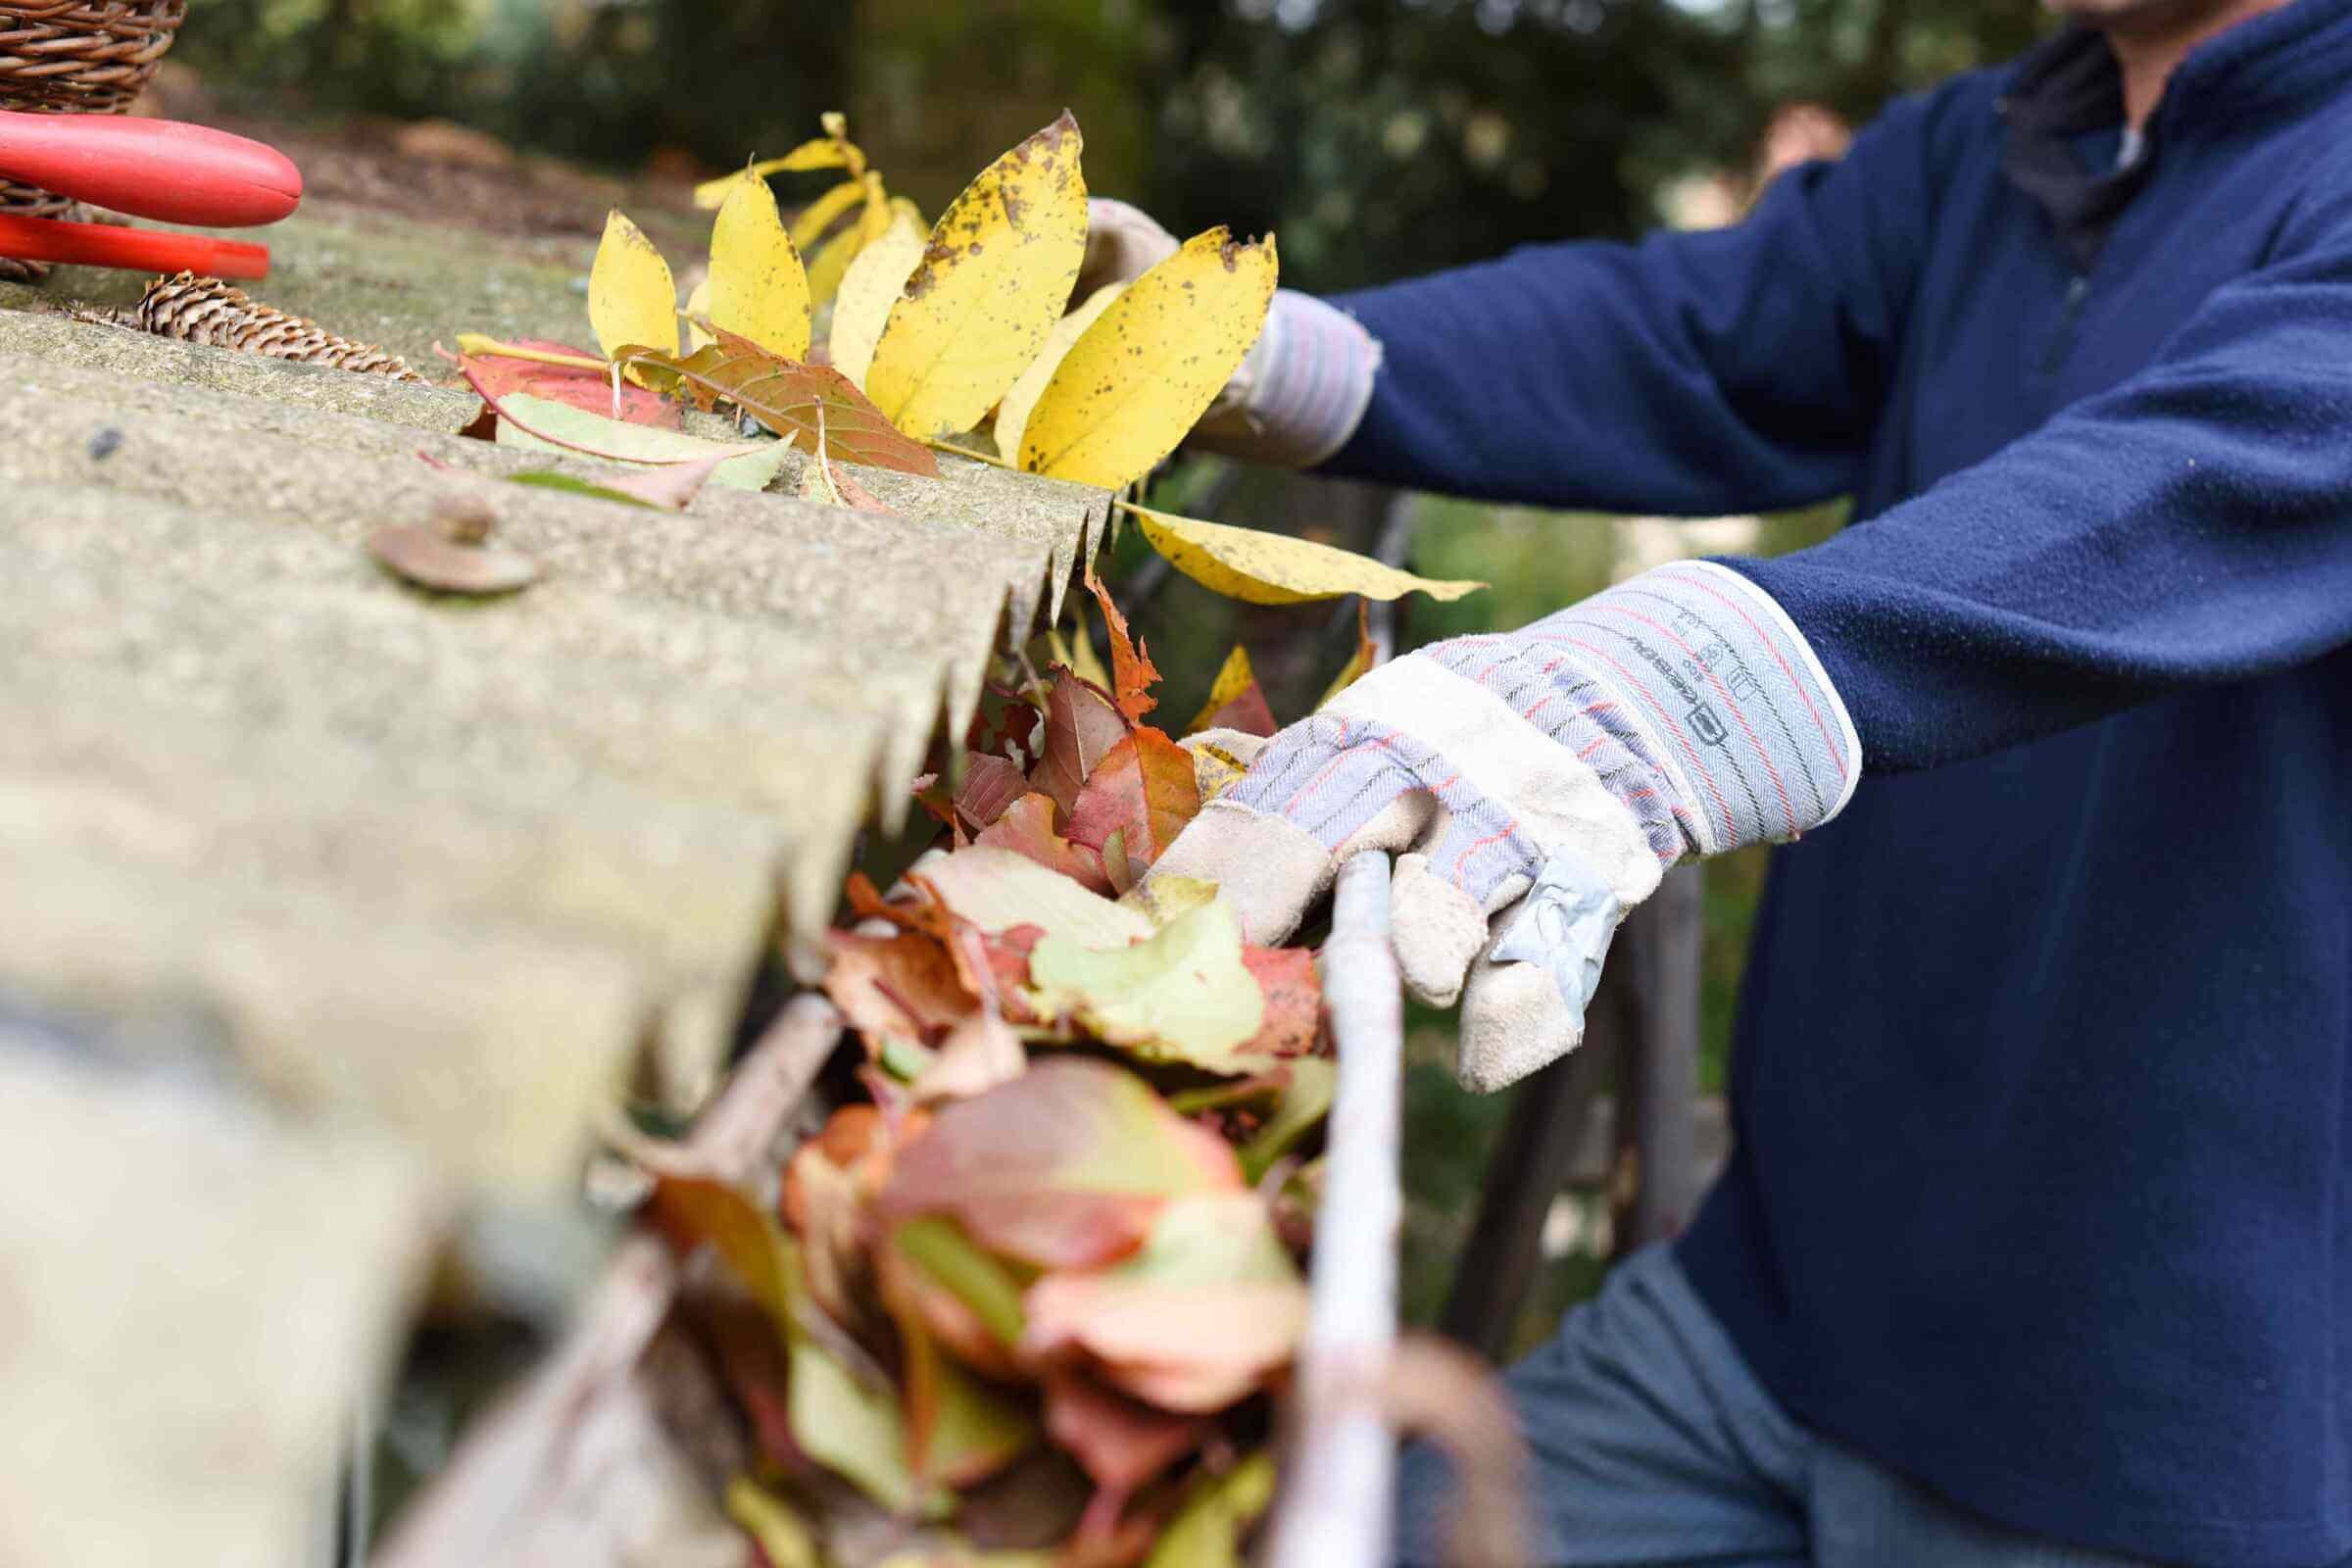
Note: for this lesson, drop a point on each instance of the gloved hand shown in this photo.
(1304, 385)
(1535, 785)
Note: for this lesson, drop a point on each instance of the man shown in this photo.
(2037, 1244)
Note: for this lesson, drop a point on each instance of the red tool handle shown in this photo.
(145, 250)
(158, 169)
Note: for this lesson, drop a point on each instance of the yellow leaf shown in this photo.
(824, 152)
(770, 1521)
(631, 299)
(832, 261)
(991, 283)
(758, 287)
(809, 224)
(1019, 404)
(1234, 677)
(1134, 385)
(697, 306)
(1274, 569)
(1359, 663)
(869, 289)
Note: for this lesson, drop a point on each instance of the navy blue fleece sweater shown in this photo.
(2043, 1077)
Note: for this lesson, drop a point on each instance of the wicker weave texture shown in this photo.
(65, 57)
(74, 57)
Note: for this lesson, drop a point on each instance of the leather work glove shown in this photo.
(1304, 385)
(1536, 786)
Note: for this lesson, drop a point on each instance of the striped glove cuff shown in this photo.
(1302, 390)
(1693, 696)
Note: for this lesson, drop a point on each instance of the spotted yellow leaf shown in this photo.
(1259, 567)
(1018, 407)
(698, 309)
(631, 299)
(869, 289)
(1134, 383)
(990, 285)
(758, 287)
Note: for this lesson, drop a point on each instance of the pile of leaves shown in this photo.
(1031, 1290)
(952, 338)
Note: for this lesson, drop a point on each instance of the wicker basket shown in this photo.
(74, 57)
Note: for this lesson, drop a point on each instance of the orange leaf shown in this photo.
(1130, 664)
(905, 985)
(1027, 828)
(1143, 790)
(1067, 1166)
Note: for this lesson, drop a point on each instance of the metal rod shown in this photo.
(1337, 1503)
(1659, 1092)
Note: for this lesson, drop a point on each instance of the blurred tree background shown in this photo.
(1379, 137)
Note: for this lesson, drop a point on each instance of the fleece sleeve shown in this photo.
(1704, 372)
(2191, 526)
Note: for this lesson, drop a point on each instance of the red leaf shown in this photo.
(1143, 791)
(495, 376)
(1293, 1001)
(1130, 666)
(1120, 1443)
(1067, 1166)
(1082, 725)
(786, 395)
(1026, 827)
(990, 785)
(1249, 713)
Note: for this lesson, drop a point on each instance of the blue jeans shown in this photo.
(1654, 1446)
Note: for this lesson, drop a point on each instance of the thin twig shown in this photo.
(953, 450)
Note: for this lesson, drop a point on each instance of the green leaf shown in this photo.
(550, 479)
(1184, 995)
(998, 888)
(853, 1429)
(955, 1262)
(1206, 1531)
(536, 425)
(1306, 1101)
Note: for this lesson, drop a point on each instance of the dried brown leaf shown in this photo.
(791, 399)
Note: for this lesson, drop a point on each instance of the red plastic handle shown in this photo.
(143, 250)
(158, 169)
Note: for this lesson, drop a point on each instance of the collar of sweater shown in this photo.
(2294, 57)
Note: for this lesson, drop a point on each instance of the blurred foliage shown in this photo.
(1380, 137)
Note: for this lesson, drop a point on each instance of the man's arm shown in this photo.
(1697, 373)
(2191, 526)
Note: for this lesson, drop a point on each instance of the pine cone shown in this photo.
(205, 310)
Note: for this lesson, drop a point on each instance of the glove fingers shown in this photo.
(1269, 868)
(1517, 1014)
(1436, 929)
